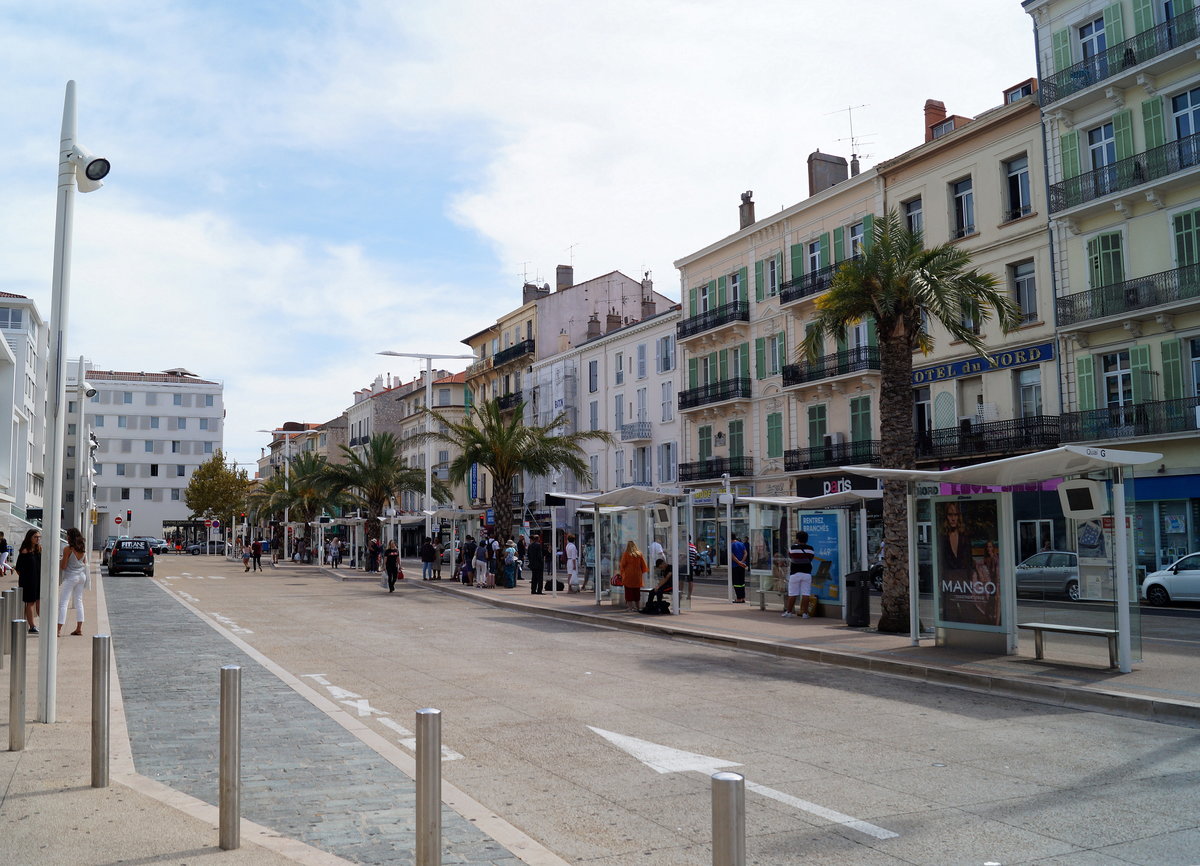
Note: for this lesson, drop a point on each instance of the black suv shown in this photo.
(131, 554)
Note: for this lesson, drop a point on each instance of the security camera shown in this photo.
(90, 170)
(89, 392)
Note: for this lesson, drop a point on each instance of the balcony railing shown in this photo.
(635, 431)
(970, 439)
(478, 367)
(807, 284)
(734, 311)
(1153, 164)
(834, 454)
(1162, 288)
(837, 364)
(512, 353)
(1124, 55)
(715, 467)
(509, 401)
(716, 392)
(1138, 419)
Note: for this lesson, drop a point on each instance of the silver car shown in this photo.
(1051, 572)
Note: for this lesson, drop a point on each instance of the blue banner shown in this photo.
(1000, 361)
(822, 529)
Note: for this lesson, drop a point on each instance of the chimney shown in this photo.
(746, 210)
(648, 307)
(564, 277)
(854, 165)
(593, 329)
(614, 321)
(564, 341)
(532, 291)
(825, 170)
(935, 113)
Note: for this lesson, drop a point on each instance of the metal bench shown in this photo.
(1038, 628)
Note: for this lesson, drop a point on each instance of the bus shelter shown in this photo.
(640, 514)
(966, 515)
(836, 524)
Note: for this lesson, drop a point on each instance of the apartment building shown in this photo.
(449, 398)
(152, 431)
(23, 383)
(1119, 88)
(376, 408)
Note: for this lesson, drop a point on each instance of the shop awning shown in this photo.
(1025, 469)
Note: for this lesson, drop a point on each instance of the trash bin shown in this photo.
(858, 599)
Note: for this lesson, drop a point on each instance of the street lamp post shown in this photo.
(727, 499)
(76, 168)
(287, 465)
(429, 359)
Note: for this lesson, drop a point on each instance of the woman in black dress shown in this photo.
(29, 576)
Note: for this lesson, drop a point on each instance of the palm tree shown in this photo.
(263, 498)
(375, 477)
(903, 286)
(505, 446)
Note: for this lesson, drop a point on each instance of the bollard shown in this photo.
(16, 688)
(230, 786)
(429, 787)
(5, 627)
(101, 656)
(728, 819)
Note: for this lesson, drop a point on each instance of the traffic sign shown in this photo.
(216, 524)
(117, 521)
(208, 523)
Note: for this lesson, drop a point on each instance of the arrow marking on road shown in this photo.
(664, 759)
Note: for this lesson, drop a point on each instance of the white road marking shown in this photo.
(364, 708)
(664, 759)
(229, 624)
(319, 678)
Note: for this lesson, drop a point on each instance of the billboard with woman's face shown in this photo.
(968, 563)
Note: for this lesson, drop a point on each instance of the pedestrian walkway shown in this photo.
(1163, 686)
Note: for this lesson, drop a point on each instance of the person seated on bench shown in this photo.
(665, 576)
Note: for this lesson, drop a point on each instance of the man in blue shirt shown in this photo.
(739, 553)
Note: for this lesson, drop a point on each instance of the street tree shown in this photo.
(505, 446)
(217, 489)
(375, 477)
(905, 287)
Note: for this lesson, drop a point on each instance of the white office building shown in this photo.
(23, 357)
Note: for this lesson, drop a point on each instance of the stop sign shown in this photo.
(117, 521)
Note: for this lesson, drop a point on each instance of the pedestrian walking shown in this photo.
(275, 554)
(427, 559)
(256, 555)
(572, 556)
(391, 564)
(29, 576)
(801, 555)
(467, 571)
(740, 553)
(481, 562)
(73, 567)
(246, 556)
(537, 564)
(632, 569)
(335, 553)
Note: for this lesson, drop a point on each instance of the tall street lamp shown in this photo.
(287, 465)
(76, 167)
(429, 359)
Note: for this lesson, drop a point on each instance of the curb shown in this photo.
(1165, 711)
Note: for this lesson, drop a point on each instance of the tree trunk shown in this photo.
(897, 451)
(502, 507)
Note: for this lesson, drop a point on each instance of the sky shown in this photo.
(298, 185)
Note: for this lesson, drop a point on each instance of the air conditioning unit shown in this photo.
(835, 439)
(964, 423)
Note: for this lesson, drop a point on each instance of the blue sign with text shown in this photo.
(1000, 361)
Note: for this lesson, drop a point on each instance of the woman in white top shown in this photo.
(75, 574)
(572, 553)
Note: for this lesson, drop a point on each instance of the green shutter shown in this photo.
(737, 443)
(1114, 25)
(1062, 49)
(1143, 15)
(712, 293)
(775, 435)
(1105, 260)
(1139, 363)
(1152, 123)
(782, 346)
(744, 360)
(1122, 123)
(872, 332)
(693, 373)
(722, 299)
(797, 261)
(868, 231)
(1070, 155)
(1187, 239)
(742, 282)
(704, 434)
(692, 302)
(1182, 7)
(723, 364)
(1085, 385)
(839, 244)
(758, 281)
(824, 244)
(840, 339)
(760, 357)
(1172, 369)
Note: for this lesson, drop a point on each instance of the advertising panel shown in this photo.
(968, 563)
(825, 530)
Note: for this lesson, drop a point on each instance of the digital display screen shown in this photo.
(1080, 498)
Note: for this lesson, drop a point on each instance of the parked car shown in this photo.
(131, 554)
(158, 545)
(457, 554)
(198, 547)
(1179, 581)
(1051, 572)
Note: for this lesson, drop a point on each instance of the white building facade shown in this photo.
(23, 359)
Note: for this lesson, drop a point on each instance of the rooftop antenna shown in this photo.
(571, 254)
(525, 272)
(856, 142)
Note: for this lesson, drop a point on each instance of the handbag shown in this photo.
(617, 580)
